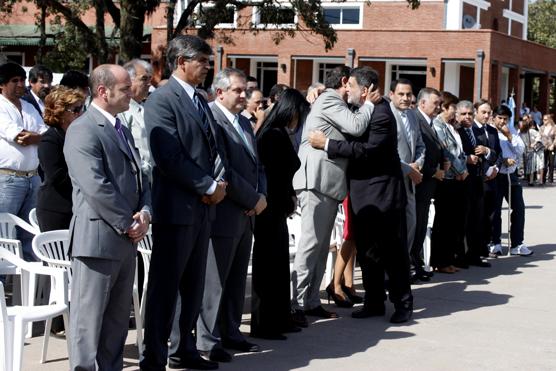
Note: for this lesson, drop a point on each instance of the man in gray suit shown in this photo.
(111, 213)
(321, 185)
(232, 230)
(411, 148)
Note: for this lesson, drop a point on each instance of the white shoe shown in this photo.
(522, 250)
(496, 249)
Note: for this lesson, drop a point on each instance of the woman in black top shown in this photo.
(62, 106)
(271, 310)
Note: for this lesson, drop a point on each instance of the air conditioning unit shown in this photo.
(469, 22)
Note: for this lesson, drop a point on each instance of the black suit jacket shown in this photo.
(496, 153)
(480, 139)
(28, 97)
(55, 191)
(246, 177)
(183, 168)
(434, 153)
(374, 172)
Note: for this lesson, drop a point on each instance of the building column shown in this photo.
(495, 80)
(478, 88)
(434, 73)
(544, 93)
(285, 70)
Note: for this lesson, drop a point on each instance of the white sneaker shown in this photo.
(522, 250)
(496, 249)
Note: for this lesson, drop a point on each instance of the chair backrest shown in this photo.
(33, 220)
(145, 247)
(13, 246)
(8, 224)
(52, 248)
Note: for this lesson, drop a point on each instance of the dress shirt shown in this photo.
(12, 155)
(39, 101)
(429, 120)
(234, 120)
(190, 91)
(513, 150)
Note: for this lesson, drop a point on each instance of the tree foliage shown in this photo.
(542, 14)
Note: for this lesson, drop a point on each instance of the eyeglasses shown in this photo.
(75, 110)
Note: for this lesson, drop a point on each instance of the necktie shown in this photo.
(218, 166)
(241, 133)
(121, 136)
(407, 127)
(471, 137)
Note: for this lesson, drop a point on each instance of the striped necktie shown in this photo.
(218, 166)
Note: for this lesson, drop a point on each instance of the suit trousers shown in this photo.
(424, 192)
(410, 212)
(99, 312)
(491, 196)
(224, 294)
(177, 266)
(318, 213)
(517, 217)
(381, 248)
(474, 223)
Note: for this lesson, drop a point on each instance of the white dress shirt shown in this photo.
(513, 150)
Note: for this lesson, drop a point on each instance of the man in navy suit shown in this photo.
(187, 182)
(40, 81)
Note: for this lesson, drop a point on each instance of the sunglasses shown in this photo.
(75, 110)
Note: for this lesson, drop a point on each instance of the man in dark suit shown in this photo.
(40, 82)
(187, 181)
(428, 106)
(111, 200)
(232, 230)
(475, 146)
(483, 113)
(378, 200)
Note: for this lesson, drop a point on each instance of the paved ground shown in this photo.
(502, 318)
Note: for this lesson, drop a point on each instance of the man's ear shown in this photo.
(345, 80)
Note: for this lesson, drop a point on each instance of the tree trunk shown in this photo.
(42, 27)
(131, 29)
(170, 20)
(102, 53)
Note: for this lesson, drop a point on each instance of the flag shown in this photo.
(511, 106)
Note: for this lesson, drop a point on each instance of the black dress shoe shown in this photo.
(242, 346)
(460, 263)
(195, 363)
(427, 274)
(401, 315)
(298, 318)
(268, 335)
(366, 312)
(338, 300)
(321, 313)
(217, 355)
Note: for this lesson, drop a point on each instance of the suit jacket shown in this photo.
(375, 175)
(108, 187)
(247, 180)
(454, 153)
(409, 151)
(134, 120)
(28, 97)
(55, 191)
(331, 115)
(434, 152)
(495, 151)
(183, 168)
(480, 138)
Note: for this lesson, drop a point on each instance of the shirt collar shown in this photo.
(190, 90)
(230, 116)
(38, 100)
(429, 120)
(478, 124)
(108, 116)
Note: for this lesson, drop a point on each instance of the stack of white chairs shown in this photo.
(33, 220)
(14, 318)
(145, 248)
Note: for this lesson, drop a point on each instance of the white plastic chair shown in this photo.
(145, 248)
(15, 318)
(33, 220)
(427, 243)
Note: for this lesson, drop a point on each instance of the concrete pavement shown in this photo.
(499, 318)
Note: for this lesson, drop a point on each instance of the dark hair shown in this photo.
(480, 102)
(502, 111)
(448, 99)
(276, 92)
(334, 78)
(249, 93)
(10, 70)
(186, 46)
(39, 71)
(291, 102)
(75, 79)
(397, 82)
(252, 79)
(365, 76)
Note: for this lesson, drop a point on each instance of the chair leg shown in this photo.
(8, 346)
(18, 342)
(31, 301)
(138, 319)
(65, 316)
(47, 327)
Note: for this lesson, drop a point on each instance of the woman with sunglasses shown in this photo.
(62, 106)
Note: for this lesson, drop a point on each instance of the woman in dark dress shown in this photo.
(62, 106)
(271, 310)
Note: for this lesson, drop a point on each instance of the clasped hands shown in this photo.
(259, 207)
(140, 226)
(217, 196)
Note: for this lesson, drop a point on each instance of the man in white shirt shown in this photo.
(20, 134)
(508, 185)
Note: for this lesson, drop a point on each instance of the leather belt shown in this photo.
(26, 174)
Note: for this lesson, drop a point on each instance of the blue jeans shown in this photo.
(18, 195)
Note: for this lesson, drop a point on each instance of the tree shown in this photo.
(541, 22)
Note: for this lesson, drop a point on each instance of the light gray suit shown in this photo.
(321, 184)
(231, 237)
(108, 188)
(411, 150)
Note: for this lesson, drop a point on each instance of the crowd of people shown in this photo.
(212, 171)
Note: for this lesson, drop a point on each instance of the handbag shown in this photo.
(538, 147)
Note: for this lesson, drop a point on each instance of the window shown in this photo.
(227, 16)
(325, 68)
(267, 75)
(272, 17)
(342, 16)
(416, 74)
